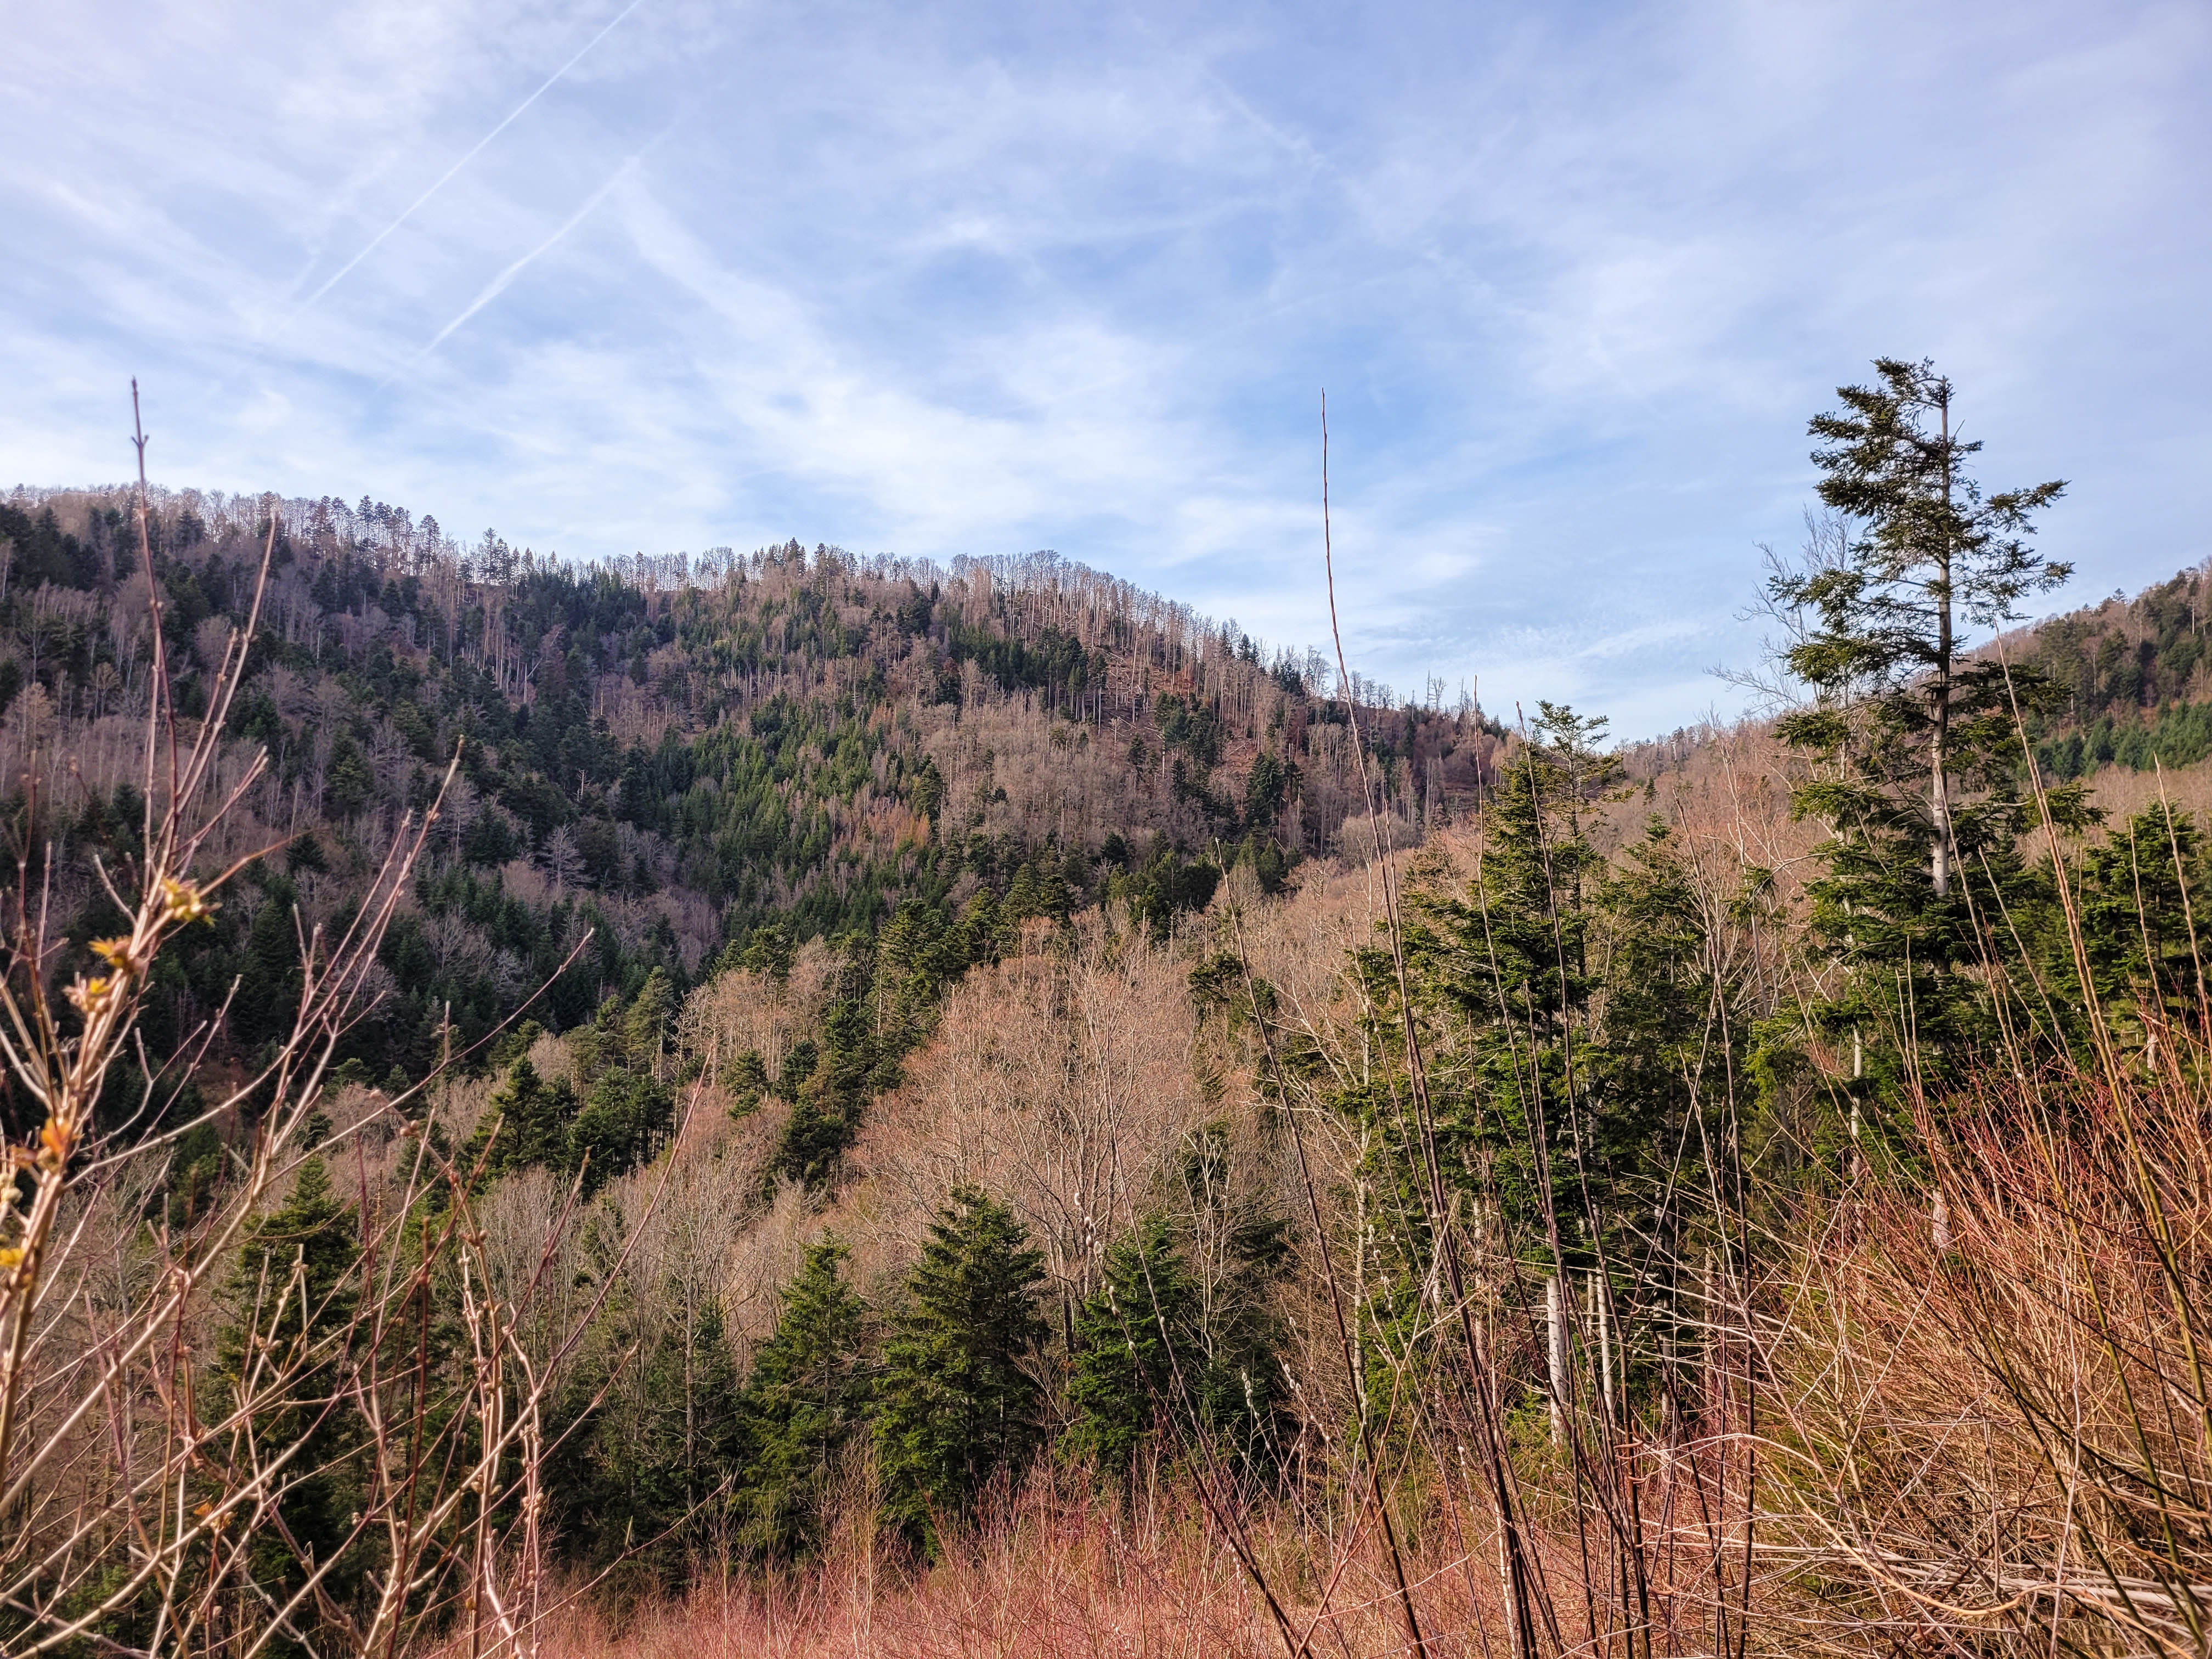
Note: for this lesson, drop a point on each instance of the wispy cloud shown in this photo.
(471, 154)
(985, 278)
(499, 284)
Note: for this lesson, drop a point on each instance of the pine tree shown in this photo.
(808, 1397)
(957, 1405)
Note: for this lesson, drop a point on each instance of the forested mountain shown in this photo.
(2135, 676)
(674, 757)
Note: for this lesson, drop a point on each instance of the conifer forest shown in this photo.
(783, 1103)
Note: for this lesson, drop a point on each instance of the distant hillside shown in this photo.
(684, 756)
(2138, 679)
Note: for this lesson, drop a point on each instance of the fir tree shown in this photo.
(1158, 1344)
(644, 1027)
(621, 1121)
(808, 1397)
(1934, 557)
(957, 1405)
(1134, 1330)
(1513, 958)
(1918, 751)
(294, 1301)
(527, 1121)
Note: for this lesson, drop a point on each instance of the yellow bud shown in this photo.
(95, 995)
(183, 902)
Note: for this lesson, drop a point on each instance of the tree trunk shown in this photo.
(1555, 1322)
(1600, 1316)
(1940, 789)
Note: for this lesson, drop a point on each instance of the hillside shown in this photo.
(2136, 676)
(676, 758)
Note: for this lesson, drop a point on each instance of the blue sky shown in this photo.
(980, 279)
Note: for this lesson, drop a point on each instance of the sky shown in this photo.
(980, 279)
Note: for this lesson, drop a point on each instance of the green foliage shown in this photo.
(2140, 894)
(806, 1403)
(2178, 735)
(527, 1121)
(1160, 1345)
(649, 1438)
(1168, 886)
(624, 1117)
(1916, 745)
(292, 1300)
(1526, 1099)
(957, 1404)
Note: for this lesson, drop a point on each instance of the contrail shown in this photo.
(498, 285)
(446, 177)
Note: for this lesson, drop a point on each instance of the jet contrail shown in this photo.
(446, 177)
(498, 285)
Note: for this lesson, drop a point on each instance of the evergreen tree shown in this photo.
(1512, 958)
(1133, 1330)
(1934, 557)
(271, 969)
(1568, 1008)
(957, 1405)
(1917, 750)
(852, 1066)
(648, 1433)
(808, 1397)
(621, 1120)
(1157, 1345)
(2141, 894)
(292, 1303)
(533, 1122)
(644, 1027)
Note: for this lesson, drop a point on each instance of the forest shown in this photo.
(794, 1103)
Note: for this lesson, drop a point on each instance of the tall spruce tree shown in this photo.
(1930, 557)
(1512, 958)
(1915, 737)
(957, 1406)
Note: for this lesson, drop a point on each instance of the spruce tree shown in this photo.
(1512, 958)
(532, 1120)
(808, 1397)
(2142, 892)
(1930, 557)
(1569, 1010)
(957, 1405)
(293, 1300)
(1159, 1346)
(1917, 747)
(1134, 1331)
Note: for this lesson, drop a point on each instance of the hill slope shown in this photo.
(674, 757)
